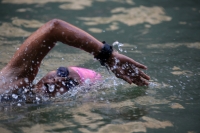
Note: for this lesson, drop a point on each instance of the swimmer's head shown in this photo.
(58, 82)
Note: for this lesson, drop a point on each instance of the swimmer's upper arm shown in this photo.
(28, 57)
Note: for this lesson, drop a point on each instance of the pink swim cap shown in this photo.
(87, 75)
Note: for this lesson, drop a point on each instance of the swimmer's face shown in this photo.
(53, 85)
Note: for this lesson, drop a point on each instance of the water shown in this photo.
(162, 34)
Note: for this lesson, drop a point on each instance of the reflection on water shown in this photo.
(130, 2)
(175, 45)
(108, 115)
(8, 30)
(130, 17)
(26, 23)
(164, 35)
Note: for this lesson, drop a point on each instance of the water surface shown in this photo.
(162, 34)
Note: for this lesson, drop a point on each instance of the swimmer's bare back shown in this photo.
(24, 65)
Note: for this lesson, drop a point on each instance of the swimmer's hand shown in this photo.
(128, 69)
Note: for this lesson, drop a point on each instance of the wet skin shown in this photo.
(52, 84)
(24, 65)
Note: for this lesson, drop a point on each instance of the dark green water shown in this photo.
(162, 34)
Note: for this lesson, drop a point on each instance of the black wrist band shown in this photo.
(104, 54)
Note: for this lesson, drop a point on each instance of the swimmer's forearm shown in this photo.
(35, 48)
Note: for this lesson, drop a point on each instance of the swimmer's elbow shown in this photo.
(54, 27)
(53, 24)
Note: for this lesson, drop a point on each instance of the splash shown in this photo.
(119, 45)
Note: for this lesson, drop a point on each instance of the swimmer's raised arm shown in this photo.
(27, 59)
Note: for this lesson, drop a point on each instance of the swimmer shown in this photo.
(23, 67)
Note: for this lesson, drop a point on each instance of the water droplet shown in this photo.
(71, 82)
(61, 89)
(63, 83)
(152, 85)
(136, 71)
(51, 88)
(107, 102)
(114, 67)
(16, 87)
(37, 99)
(14, 96)
(87, 81)
(119, 45)
(115, 43)
(26, 80)
(26, 90)
(117, 61)
(58, 94)
(115, 83)
(123, 67)
(133, 66)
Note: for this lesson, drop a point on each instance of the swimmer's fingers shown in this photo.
(128, 77)
(137, 64)
(140, 81)
(143, 75)
(125, 78)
